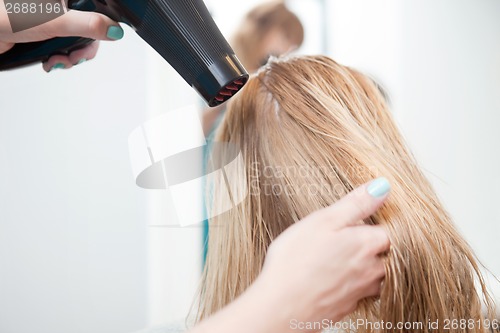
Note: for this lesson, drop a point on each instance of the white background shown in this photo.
(79, 247)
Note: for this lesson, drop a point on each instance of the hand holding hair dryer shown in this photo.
(181, 31)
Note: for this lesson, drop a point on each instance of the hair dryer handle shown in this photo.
(23, 54)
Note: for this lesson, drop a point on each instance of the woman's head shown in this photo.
(310, 130)
(270, 29)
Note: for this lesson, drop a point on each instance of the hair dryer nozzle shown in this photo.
(184, 33)
(221, 80)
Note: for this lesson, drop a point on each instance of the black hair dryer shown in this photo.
(181, 31)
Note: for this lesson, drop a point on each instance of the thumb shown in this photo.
(357, 205)
(83, 24)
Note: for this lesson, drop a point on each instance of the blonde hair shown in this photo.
(257, 24)
(308, 122)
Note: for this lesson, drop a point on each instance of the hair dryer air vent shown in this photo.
(228, 91)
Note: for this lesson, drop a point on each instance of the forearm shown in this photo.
(259, 310)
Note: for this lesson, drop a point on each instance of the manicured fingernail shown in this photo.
(81, 61)
(115, 32)
(58, 66)
(379, 187)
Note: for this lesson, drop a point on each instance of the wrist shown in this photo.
(276, 303)
(262, 308)
(287, 303)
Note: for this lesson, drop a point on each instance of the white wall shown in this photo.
(73, 226)
(440, 62)
(174, 252)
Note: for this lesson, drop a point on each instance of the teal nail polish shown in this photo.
(58, 66)
(115, 32)
(379, 187)
(81, 61)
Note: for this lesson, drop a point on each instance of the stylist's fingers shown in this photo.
(82, 55)
(375, 288)
(73, 23)
(4, 47)
(57, 62)
(359, 204)
(367, 242)
(380, 240)
(375, 239)
(75, 58)
(83, 24)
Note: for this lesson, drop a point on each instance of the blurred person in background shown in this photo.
(269, 29)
